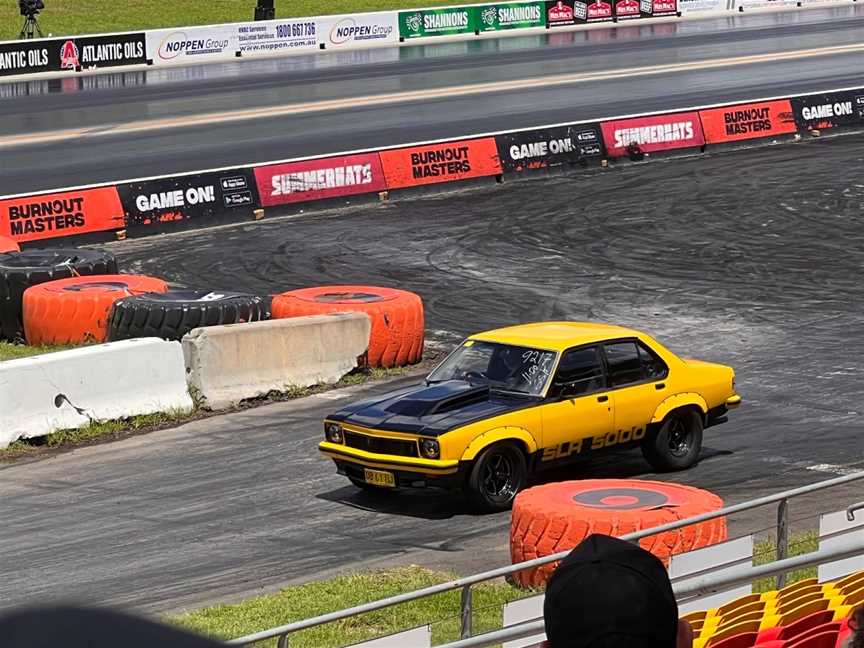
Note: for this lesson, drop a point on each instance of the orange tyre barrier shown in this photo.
(556, 517)
(397, 317)
(76, 310)
(8, 245)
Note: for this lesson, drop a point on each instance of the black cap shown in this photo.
(609, 592)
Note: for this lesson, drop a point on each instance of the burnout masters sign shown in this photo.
(654, 133)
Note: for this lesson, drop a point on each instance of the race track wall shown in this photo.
(206, 198)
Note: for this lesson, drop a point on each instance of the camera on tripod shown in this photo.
(30, 8)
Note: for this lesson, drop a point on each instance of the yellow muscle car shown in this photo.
(515, 400)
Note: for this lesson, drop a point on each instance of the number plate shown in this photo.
(379, 478)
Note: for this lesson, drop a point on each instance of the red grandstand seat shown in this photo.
(796, 627)
(844, 634)
(742, 640)
(821, 640)
(831, 626)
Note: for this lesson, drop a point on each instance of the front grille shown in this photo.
(380, 445)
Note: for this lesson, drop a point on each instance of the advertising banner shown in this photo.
(347, 175)
(549, 147)
(746, 121)
(656, 8)
(696, 6)
(359, 30)
(192, 44)
(112, 50)
(563, 13)
(654, 133)
(753, 4)
(437, 22)
(29, 57)
(627, 9)
(68, 213)
(446, 162)
(829, 110)
(514, 15)
(270, 37)
(203, 195)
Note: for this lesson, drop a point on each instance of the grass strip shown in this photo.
(442, 610)
(304, 601)
(9, 351)
(73, 17)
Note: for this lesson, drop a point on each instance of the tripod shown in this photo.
(30, 28)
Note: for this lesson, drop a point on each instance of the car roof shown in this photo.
(556, 336)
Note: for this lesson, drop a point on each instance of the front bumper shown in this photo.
(409, 472)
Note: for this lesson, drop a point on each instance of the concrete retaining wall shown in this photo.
(227, 364)
(69, 389)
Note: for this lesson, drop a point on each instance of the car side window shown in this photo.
(580, 371)
(625, 365)
(652, 364)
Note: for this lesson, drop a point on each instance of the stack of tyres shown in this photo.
(21, 270)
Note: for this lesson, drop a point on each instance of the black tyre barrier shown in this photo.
(173, 314)
(20, 270)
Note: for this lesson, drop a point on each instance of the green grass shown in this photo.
(13, 351)
(765, 551)
(304, 601)
(71, 17)
(313, 599)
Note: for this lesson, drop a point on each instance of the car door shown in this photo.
(578, 405)
(637, 378)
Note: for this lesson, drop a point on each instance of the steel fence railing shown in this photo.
(467, 582)
(693, 588)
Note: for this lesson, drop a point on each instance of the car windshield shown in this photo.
(502, 366)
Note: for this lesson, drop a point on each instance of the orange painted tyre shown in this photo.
(397, 317)
(8, 245)
(76, 310)
(556, 517)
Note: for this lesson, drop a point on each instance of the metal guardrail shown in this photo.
(467, 582)
(693, 588)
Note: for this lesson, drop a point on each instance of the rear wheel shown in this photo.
(499, 473)
(677, 443)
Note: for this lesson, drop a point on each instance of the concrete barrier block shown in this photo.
(69, 389)
(227, 364)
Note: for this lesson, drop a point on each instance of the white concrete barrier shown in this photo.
(69, 389)
(227, 364)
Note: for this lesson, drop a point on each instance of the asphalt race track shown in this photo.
(747, 257)
(137, 124)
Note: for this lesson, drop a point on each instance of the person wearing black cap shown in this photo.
(609, 593)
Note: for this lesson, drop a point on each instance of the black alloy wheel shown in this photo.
(499, 473)
(677, 443)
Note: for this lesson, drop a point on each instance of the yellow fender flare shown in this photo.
(676, 401)
(499, 434)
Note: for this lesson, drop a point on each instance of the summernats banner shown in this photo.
(830, 110)
(654, 133)
(747, 121)
(346, 175)
(199, 196)
(549, 147)
(61, 214)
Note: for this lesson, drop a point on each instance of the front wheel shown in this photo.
(678, 442)
(498, 474)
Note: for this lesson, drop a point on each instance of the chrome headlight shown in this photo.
(333, 432)
(430, 449)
